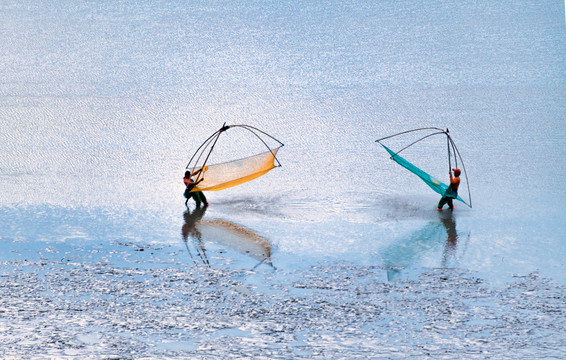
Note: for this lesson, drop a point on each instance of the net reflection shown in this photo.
(197, 232)
(409, 250)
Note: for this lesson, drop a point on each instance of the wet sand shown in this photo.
(126, 301)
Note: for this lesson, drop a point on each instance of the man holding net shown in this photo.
(197, 196)
(451, 192)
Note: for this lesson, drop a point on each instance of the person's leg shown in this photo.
(203, 198)
(450, 204)
(187, 196)
(441, 203)
(196, 198)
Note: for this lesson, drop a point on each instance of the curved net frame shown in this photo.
(224, 175)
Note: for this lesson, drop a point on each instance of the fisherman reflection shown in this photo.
(450, 247)
(190, 229)
(409, 250)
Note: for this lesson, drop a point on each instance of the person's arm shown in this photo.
(191, 185)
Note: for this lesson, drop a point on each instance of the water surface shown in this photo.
(340, 252)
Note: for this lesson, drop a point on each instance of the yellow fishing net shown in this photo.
(222, 176)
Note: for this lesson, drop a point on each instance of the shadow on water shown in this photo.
(257, 205)
(406, 252)
(197, 232)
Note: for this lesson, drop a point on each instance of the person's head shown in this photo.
(457, 172)
(187, 174)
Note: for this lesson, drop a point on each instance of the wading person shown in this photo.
(451, 192)
(197, 196)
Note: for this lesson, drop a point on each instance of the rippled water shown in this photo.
(337, 254)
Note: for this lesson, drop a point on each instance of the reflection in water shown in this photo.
(190, 229)
(223, 232)
(406, 252)
(450, 247)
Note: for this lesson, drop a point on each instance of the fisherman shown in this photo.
(452, 191)
(197, 196)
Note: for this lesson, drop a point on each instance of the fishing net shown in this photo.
(434, 184)
(225, 175)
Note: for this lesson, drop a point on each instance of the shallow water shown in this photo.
(337, 254)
